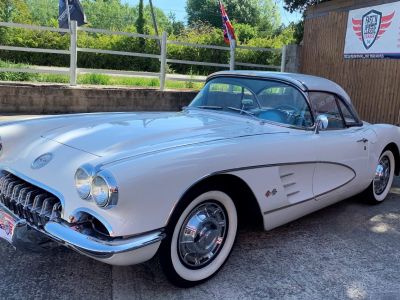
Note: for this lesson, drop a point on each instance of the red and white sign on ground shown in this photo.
(374, 32)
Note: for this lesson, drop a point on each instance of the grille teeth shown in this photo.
(27, 201)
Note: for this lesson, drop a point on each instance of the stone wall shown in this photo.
(60, 99)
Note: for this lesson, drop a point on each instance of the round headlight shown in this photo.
(100, 191)
(83, 183)
(104, 190)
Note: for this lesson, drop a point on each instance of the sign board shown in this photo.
(374, 32)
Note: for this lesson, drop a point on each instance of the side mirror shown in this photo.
(321, 123)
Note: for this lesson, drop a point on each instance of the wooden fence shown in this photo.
(74, 50)
(373, 85)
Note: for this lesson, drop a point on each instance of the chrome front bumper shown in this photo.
(115, 251)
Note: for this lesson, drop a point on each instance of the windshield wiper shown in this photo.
(210, 107)
(244, 111)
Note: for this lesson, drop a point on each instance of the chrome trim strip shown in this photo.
(280, 165)
(292, 194)
(286, 175)
(295, 83)
(289, 184)
(98, 248)
(288, 206)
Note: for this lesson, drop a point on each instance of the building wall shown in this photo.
(49, 99)
(373, 85)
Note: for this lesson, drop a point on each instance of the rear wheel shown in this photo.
(380, 187)
(200, 238)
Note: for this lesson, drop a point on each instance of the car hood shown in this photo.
(109, 134)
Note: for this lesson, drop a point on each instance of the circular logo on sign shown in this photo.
(41, 161)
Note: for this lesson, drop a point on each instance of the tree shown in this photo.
(6, 8)
(270, 18)
(140, 21)
(14, 11)
(43, 12)
(109, 14)
(176, 27)
(300, 5)
(262, 14)
(163, 21)
(240, 11)
(140, 24)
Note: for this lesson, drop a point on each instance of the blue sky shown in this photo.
(178, 8)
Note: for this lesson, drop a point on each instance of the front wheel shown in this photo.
(200, 238)
(380, 187)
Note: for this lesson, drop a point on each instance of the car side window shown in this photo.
(347, 115)
(327, 104)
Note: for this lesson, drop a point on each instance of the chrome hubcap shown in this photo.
(382, 175)
(202, 235)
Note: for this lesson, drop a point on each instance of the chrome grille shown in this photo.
(27, 201)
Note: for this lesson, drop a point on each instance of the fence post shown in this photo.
(163, 60)
(73, 53)
(232, 55)
(283, 61)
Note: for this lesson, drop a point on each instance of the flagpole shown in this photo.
(232, 60)
(69, 14)
(153, 17)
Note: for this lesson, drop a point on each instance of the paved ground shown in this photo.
(348, 251)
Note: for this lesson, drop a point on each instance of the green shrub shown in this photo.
(13, 76)
(94, 79)
(54, 78)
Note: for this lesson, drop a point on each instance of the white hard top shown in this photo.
(302, 81)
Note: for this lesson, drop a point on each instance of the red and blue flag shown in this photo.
(229, 31)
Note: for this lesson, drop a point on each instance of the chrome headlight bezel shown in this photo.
(89, 171)
(112, 189)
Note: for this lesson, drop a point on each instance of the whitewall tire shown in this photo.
(380, 187)
(200, 237)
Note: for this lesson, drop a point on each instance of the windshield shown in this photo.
(262, 99)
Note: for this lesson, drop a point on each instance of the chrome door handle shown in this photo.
(364, 140)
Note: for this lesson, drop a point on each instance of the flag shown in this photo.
(75, 11)
(229, 32)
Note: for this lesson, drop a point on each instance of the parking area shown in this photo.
(350, 250)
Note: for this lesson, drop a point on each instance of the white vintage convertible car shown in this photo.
(252, 146)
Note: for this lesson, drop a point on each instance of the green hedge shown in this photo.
(206, 35)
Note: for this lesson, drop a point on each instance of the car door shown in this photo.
(342, 150)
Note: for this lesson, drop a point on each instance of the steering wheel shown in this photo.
(294, 116)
